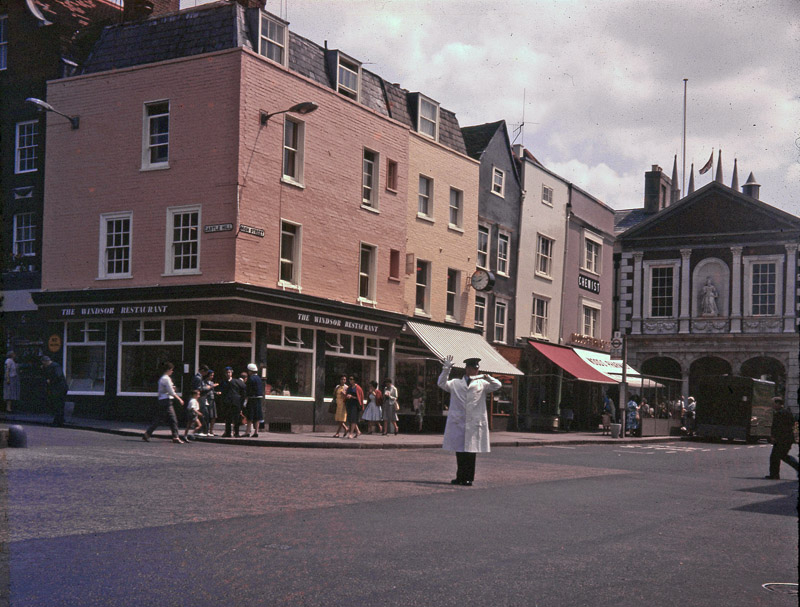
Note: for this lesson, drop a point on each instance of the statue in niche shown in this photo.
(708, 299)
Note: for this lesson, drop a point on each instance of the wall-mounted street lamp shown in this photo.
(306, 107)
(43, 105)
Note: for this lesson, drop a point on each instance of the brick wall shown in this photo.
(328, 207)
(435, 241)
(97, 169)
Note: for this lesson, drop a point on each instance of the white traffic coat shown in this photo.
(467, 428)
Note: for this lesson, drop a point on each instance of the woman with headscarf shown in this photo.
(11, 381)
(632, 416)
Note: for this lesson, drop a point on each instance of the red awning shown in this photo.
(572, 363)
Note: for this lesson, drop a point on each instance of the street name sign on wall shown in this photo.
(251, 230)
(218, 227)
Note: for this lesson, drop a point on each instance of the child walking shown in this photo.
(193, 414)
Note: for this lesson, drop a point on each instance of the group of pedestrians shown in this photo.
(236, 400)
(348, 407)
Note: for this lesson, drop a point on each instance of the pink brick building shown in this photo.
(218, 227)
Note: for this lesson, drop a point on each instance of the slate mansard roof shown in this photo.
(225, 25)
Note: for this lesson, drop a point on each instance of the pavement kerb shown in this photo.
(323, 441)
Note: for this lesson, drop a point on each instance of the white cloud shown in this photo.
(602, 81)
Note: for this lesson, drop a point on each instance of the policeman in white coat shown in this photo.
(467, 429)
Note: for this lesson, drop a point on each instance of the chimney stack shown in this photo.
(137, 10)
(657, 188)
(751, 188)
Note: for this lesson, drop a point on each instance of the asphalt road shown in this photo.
(95, 519)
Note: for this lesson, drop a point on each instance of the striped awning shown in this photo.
(444, 341)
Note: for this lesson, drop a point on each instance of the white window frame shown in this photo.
(503, 257)
(141, 342)
(26, 143)
(456, 209)
(297, 149)
(482, 259)
(296, 256)
(498, 188)
(170, 243)
(422, 100)
(24, 236)
(452, 312)
(748, 263)
(500, 305)
(69, 345)
(647, 268)
(147, 135)
(102, 269)
(347, 65)
(543, 318)
(593, 239)
(480, 311)
(597, 308)
(370, 179)
(289, 345)
(426, 286)
(427, 198)
(368, 273)
(3, 42)
(548, 273)
(274, 40)
(547, 195)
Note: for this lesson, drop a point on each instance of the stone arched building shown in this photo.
(707, 285)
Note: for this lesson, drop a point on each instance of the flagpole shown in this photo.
(683, 174)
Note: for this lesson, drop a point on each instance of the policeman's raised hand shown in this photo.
(448, 361)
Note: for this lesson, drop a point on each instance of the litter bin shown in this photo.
(616, 429)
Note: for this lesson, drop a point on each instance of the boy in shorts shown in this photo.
(193, 414)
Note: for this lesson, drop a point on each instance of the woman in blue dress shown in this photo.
(632, 416)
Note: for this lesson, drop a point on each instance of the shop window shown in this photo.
(86, 357)
(144, 346)
(290, 361)
(358, 355)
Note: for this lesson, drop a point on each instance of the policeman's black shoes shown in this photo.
(457, 481)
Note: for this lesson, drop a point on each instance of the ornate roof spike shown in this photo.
(735, 180)
(719, 168)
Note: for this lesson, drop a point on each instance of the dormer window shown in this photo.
(348, 76)
(272, 39)
(428, 117)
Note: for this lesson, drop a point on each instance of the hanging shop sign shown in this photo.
(589, 284)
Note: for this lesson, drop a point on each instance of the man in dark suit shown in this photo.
(55, 388)
(782, 439)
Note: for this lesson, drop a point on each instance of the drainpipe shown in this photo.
(561, 340)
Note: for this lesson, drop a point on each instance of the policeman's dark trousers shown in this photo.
(57, 409)
(165, 415)
(780, 453)
(466, 466)
(232, 418)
